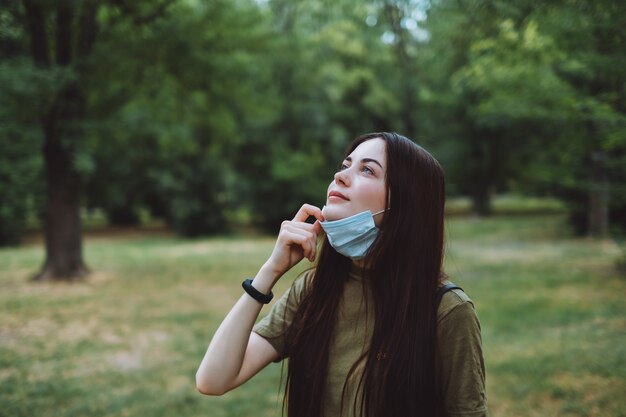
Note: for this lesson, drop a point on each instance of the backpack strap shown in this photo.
(444, 289)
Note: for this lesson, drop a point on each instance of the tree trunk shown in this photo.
(64, 258)
(481, 201)
(481, 166)
(60, 126)
(63, 234)
(598, 196)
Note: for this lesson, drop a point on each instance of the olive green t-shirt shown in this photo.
(460, 367)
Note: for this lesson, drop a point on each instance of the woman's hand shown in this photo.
(296, 240)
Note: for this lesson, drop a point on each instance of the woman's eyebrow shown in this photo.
(349, 159)
(372, 160)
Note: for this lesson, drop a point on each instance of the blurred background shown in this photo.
(150, 149)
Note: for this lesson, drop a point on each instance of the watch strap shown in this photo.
(256, 294)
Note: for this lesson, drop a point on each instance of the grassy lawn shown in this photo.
(128, 341)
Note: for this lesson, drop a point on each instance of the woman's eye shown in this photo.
(368, 170)
(343, 166)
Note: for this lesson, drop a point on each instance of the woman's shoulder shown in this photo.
(454, 300)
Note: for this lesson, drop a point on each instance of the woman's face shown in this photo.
(360, 183)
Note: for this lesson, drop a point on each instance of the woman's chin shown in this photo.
(334, 213)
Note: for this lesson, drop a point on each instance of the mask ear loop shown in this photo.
(376, 214)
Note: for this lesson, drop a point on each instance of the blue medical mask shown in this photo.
(352, 236)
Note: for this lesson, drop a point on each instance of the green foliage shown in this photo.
(330, 78)
(171, 127)
(20, 186)
(23, 90)
(513, 75)
(528, 93)
(200, 110)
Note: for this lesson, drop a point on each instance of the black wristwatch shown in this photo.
(256, 294)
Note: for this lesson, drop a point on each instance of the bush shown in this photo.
(21, 187)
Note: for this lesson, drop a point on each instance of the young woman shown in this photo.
(362, 330)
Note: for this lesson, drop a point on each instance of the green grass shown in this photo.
(128, 341)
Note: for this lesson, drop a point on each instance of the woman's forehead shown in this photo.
(370, 149)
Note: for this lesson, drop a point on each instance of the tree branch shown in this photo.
(88, 28)
(64, 20)
(156, 13)
(139, 20)
(38, 35)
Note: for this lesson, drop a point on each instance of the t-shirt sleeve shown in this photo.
(274, 326)
(461, 367)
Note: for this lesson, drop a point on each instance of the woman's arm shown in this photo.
(235, 353)
(461, 364)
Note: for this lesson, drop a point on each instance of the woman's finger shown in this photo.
(306, 211)
(306, 227)
(317, 227)
(298, 240)
(306, 239)
(290, 233)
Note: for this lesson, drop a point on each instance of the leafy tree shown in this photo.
(482, 149)
(592, 34)
(537, 95)
(61, 38)
(329, 80)
(169, 146)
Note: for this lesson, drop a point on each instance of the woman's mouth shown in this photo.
(337, 194)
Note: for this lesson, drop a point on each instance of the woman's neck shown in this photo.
(359, 262)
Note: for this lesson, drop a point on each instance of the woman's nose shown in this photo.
(342, 177)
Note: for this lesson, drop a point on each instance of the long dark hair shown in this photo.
(403, 270)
